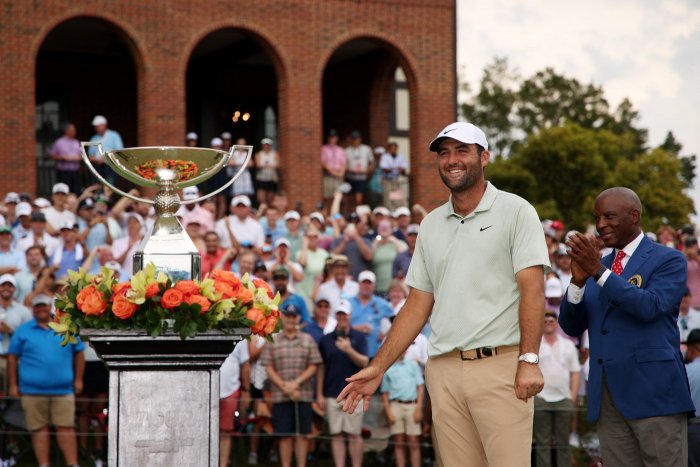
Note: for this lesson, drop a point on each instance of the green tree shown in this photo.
(655, 177)
(674, 147)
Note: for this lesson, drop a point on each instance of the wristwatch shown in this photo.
(599, 273)
(531, 358)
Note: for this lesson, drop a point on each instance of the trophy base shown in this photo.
(181, 266)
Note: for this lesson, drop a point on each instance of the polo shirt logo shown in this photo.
(484, 228)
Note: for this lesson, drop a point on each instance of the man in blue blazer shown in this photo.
(637, 386)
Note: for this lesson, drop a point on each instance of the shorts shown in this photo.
(343, 422)
(96, 379)
(330, 185)
(290, 418)
(227, 410)
(268, 186)
(358, 186)
(41, 411)
(405, 423)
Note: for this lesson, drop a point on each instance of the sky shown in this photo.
(646, 50)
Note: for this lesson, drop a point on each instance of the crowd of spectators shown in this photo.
(340, 272)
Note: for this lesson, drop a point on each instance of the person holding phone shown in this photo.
(344, 352)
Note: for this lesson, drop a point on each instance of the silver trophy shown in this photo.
(167, 168)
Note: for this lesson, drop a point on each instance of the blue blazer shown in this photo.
(633, 334)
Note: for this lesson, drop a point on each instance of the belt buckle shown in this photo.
(483, 352)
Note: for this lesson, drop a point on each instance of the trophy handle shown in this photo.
(249, 153)
(100, 149)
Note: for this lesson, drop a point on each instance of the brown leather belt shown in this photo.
(404, 402)
(484, 352)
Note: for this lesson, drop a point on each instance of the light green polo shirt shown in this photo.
(469, 265)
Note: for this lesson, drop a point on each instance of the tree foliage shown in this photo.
(558, 143)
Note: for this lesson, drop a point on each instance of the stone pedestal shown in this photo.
(163, 395)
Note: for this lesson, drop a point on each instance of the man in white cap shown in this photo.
(111, 141)
(12, 314)
(368, 310)
(39, 236)
(240, 226)
(267, 162)
(195, 212)
(23, 226)
(295, 235)
(402, 217)
(72, 255)
(58, 213)
(10, 205)
(478, 274)
(191, 139)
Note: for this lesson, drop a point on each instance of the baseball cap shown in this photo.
(291, 215)
(290, 310)
(339, 260)
(322, 297)
(60, 188)
(86, 203)
(23, 209)
(191, 136)
(461, 131)
(42, 203)
(113, 265)
(356, 134)
(318, 216)
(280, 271)
(226, 135)
(343, 306)
(99, 120)
(42, 299)
(553, 288)
(240, 199)
(562, 250)
(216, 142)
(282, 241)
(259, 266)
(379, 150)
(133, 215)
(332, 132)
(38, 216)
(402, 211)
(413, 229)
(12, 197)
(382, 211)
(190, 192)
(367, 276)
(5, 229)
(693, 337)
(68, 225)
(266, 141)
(8, 278)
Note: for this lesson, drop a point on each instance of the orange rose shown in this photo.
(226, 289)
(245, 295)
(187, 287)
(123, 308)
(227, 277)
(120, 289)
(201, 300)
(258, 318)
(152, 289)
(171, 299)
(261, 283)
(91, 301)
(270, 325)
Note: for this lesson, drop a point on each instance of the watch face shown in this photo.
(529, 358)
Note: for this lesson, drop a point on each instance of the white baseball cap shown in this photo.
(42, 203)
(23, 209)
(12, 197)
(42, 299)
(99, 120)
(382, 211)
(343, 306)
(190, 192)
(291, 215)
(413, 229)
(282, 241)
(402, 211)
(553, 288)
(367, 276)
(113, 265)
(226, 135)
(8, 278)
(60, 188)
(133, 215)
(461, 131)
(217, 142)
(266, 141)
(191, 136)
(240, 199)
(318, 216)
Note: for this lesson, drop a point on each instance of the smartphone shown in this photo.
(340, 333)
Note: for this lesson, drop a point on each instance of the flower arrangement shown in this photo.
(153, 301)
(184, 170)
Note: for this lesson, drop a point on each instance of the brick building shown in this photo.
(158, 69)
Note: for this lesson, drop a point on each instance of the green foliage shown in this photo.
(558, 143)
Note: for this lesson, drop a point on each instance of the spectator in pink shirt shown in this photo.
(66, 152)
(333, 161)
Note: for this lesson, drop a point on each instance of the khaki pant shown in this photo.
(477, 418)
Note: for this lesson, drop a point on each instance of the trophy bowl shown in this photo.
(191, 166)
(167, 168)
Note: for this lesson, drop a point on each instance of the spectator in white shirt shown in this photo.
(340, 286)
(240, 227)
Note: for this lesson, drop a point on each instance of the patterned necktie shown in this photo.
(617, 264)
